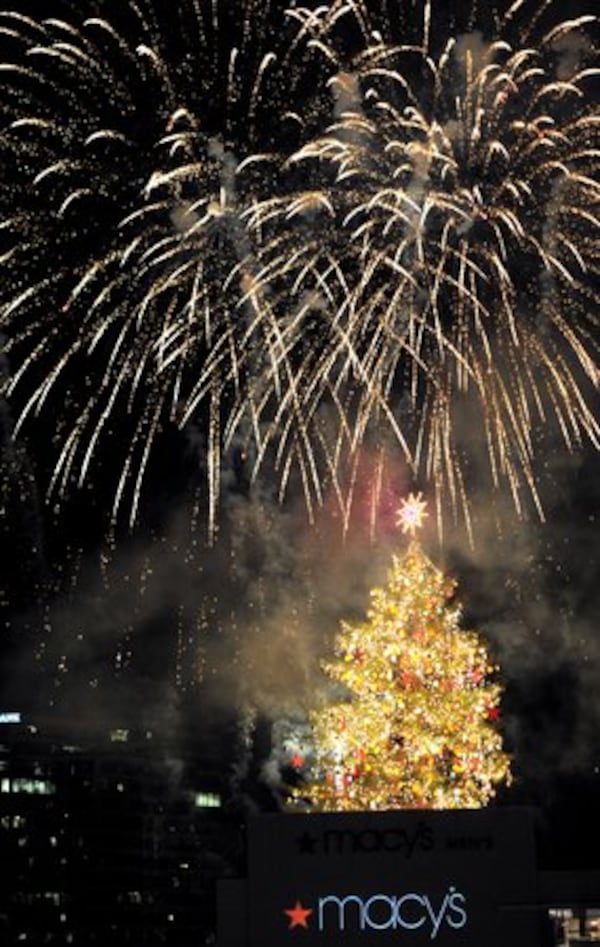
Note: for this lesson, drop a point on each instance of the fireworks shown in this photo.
(463, 189)
(298, 228)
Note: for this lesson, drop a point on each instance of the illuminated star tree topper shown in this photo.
(412, 513)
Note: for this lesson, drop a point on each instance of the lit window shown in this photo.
(208, 800)
(119, 736)
(12, 821)
(4, 784)
(39, 787)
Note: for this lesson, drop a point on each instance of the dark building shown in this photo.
(123, 837)
(472, 878)
(109, 839)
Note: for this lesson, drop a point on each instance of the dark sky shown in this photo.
(116, 622)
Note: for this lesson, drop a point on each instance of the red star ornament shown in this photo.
(298, 915)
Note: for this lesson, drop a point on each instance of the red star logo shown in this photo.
(297, 761)
(298, 915)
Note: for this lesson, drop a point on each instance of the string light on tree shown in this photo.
(415, 727)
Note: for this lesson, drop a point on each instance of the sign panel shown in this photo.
(391, 878)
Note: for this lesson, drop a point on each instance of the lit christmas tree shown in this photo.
(415, 725)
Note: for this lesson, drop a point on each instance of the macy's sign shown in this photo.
(382, 912)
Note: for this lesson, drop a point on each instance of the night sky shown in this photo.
(110, 621)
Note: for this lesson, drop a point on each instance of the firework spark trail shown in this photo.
(325, 229)
(169, 297)
(445, 178)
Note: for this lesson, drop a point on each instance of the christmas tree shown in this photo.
(413, 723)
